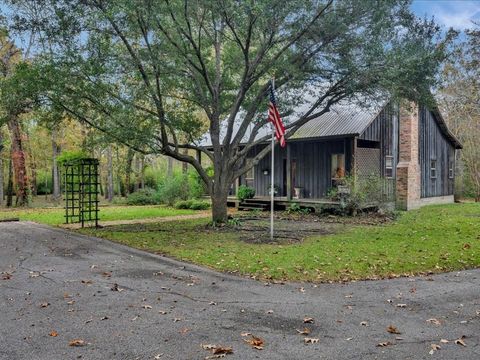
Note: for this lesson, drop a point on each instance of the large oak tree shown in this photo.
(149, 72)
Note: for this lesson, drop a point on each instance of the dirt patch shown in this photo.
(294, 228)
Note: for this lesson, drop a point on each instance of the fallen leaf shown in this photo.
(255, 342)
(364, 323)
(71, 302)
(161, 312)
(88, 321)
(158, 356)
(115, 287)
(305, 331)
(212, 303)
(177, 319)
(44, 305)
(147, 307)
(107, 274)
(53, 333)
(308, 320)
(435, 346)
(245, 334)
(87, 282)
(384, 344)
(77, 342)
(460, 342)
(222, 350)
(270, 312)
(393, 330)
(444, 341)
(434, 321)
(310, 340)
(302, 290)
(208, 346)
(104, 318)
(466, 246)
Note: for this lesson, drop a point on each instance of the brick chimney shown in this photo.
(408, 167)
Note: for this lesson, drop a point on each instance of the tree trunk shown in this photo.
(18, 160)
(128, 170)
(184, 164)
(10, 183)
(219, 206)
(137, 175)
(109, 192)
(55, 171)
(142, 172)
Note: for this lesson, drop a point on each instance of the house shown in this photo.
(408, 146)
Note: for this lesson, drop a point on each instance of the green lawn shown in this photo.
(55, 216)
(434, 238)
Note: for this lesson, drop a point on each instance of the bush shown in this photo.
(245, 192)
(294, 208)
(356, 194)
(192, 204)
(197, 187)
(145, 196)
(174, 188)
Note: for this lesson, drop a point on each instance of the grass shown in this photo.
(55, 216)
(431, 239)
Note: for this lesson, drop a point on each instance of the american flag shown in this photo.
(275, 119)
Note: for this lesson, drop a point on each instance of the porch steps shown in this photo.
(253, 204)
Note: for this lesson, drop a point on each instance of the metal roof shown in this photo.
(341, 120)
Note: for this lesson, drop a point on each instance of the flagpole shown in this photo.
(272, 187)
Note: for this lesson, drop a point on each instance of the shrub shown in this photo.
(145, 196)
(192, 204)
(245, 192)
(359, 193)
(197, 187)
(174, 188)
(294, 208)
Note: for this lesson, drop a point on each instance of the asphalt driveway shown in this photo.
(57, 286)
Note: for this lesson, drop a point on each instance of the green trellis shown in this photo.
(81, 191)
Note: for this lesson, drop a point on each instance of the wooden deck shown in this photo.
(281, 202)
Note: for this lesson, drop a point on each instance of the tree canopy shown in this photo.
(156, 75)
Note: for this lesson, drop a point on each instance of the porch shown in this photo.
(280, 203)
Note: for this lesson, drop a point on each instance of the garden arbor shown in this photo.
(81, 191)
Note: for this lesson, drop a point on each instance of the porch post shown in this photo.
(199, 156)
(289, 172)
(353, 170)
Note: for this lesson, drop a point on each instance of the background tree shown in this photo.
(123, 66)
(12, 108)
(460, 99)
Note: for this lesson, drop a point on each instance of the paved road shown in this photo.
(167, 309)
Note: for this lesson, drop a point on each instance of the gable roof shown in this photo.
(343, 119)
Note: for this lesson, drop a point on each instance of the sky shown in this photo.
(449, 13)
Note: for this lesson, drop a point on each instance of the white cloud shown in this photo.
(456, 14)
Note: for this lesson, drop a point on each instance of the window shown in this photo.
(388, 166)
(451, 171)
(338, 166)
(433, 169)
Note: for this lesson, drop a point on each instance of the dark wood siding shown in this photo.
(434, 146)
(384, 130)
(313, 166)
